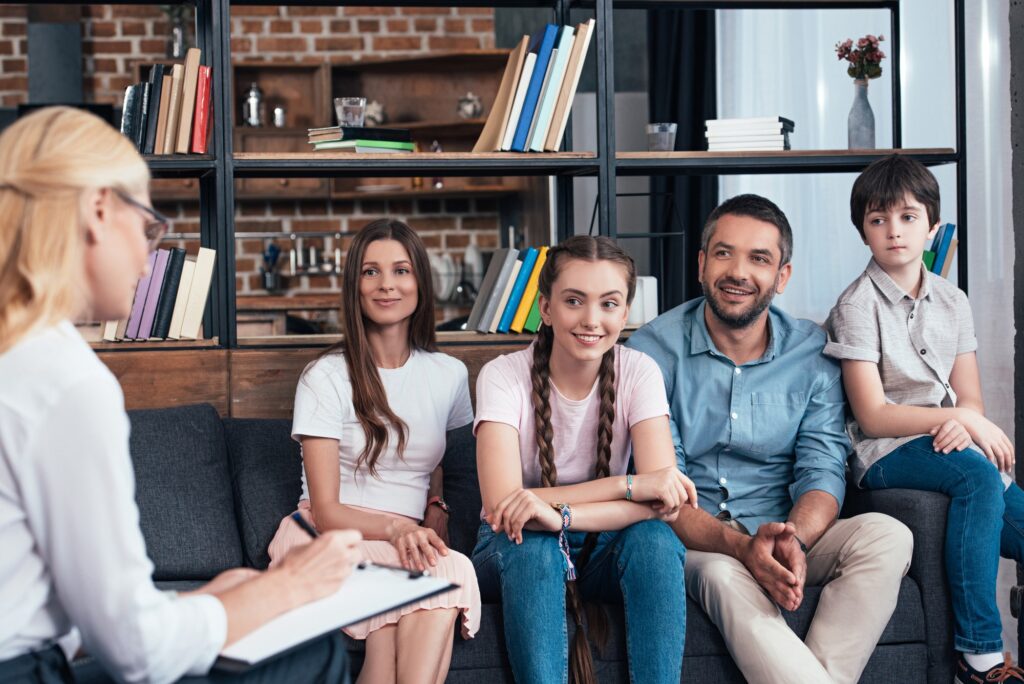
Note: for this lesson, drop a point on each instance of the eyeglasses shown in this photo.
(156, 225)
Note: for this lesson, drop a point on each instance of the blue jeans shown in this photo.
(641, 566)
(985, 520)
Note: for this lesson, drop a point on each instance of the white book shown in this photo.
(197, 294)
(776, 138)
(368, 591)
(777, 129)
(549, 93)
(503, 302)
(110, 331)
(188, 270)
(545, 84)
(517, 102)
(755, 147)
(752, 121)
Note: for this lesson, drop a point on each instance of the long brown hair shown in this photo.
(592, 249)
(368, 396)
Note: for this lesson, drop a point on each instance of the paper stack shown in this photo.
(760, 133)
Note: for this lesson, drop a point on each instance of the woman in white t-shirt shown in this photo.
(372, 415)
(76, 228)
(556, 424)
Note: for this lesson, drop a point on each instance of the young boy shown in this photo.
(905, 338)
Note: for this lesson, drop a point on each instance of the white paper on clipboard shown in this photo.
(369, 591)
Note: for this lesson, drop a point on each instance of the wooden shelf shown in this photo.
(319, 164)
(302, 302)
(791, 161)
(130, 345)
(443, 338)
(462, 60)
(488, 190)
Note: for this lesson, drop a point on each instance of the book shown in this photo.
(941, 246)
(950, 253)
(156, 80)
(778, 138)
(533, 321)
(928, 257)
(161, 123)
(573, 70)
(197, 294)
(156, 285)
(188, 269)
(737, 147)
(129, 111)
(525, 75)
(141, 290)
(368, 591)
(366, 145)
(486, 286)
(173, 109)
(552, 87)
(201, 118)
(141, 115)
(758, 121)
(109, 332)
(494, 130)
(540, 71)
(530, 293)
(188, 100)
(502, 263)
(529, 259)
(168, 294)
(333, 133)
(544, 86)
(122, 326)
(506, 292)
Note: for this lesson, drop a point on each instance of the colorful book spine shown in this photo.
(141, 290)
(168, 294)
(530, 293)
(201, 119)
(506, 292)
(506, 259)
(942, 240)
(549, 95)
(540, 71)
(517, 290)
(156, 285)
(532, 324)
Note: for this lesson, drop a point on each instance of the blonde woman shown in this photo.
(76, 228)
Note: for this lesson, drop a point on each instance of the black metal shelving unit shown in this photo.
(217, 171)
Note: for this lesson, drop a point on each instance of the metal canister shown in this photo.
(279, 117)
(252, 107)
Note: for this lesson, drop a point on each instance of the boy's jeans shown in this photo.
(641, 566)
(985, 520)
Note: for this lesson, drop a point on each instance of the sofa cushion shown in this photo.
(461, 489)
(183, 490)
(266, 476)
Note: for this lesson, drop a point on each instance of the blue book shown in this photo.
(942, 240)
(517, 290)
(547, 43)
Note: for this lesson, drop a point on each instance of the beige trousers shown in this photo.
(861, 562)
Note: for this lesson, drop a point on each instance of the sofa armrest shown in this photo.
(925, 514)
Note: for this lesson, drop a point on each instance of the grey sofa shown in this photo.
(211, 493)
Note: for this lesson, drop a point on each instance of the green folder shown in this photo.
(929, 258)
(533, 320)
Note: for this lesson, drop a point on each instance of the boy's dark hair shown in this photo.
(884, 184)
(756, 207)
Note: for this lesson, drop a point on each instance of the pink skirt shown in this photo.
(454, 567)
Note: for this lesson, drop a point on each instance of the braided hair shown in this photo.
(584, 248)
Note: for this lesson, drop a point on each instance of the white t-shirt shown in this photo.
(71, 551)
(430, 392)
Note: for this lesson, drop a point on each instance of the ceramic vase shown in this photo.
(861, 122)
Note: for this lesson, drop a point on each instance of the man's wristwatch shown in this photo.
(439, 502)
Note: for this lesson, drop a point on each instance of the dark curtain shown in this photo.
(681, 89)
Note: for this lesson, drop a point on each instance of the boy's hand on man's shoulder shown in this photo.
(990, 438)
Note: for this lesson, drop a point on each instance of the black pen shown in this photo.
(301, 522)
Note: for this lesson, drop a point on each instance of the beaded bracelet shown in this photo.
(629, 486)
(563, 544)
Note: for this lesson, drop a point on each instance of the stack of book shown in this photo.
(760, 133)
(361, 139)
(170, 113)
(507, 301)
(531, 109)
(170, 300)
(939, 257)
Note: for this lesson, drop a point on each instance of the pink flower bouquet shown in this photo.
(865, 58)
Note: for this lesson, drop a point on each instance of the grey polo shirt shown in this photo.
(914, 342)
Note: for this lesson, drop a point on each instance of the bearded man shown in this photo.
(758, 425)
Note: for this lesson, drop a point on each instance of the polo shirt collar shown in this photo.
(700, 338)
(893, 292)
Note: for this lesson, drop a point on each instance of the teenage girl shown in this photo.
(372, 414)
(556, 425)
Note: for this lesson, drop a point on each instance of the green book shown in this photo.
(382, 145)
(533, 319)
(929, 258)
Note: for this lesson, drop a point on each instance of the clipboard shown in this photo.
(370, 590)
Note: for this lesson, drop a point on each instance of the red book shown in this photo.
(201, 119)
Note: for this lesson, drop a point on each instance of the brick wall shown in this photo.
(116, 36)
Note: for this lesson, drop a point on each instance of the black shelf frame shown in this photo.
(218, 170)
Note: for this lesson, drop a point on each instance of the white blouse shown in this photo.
(72, 551)
(430, 392)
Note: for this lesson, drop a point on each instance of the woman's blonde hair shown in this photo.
(48, 160)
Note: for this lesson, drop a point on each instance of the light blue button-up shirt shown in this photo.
(753, 438)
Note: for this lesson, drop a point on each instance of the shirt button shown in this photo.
(735, 415)
(727, 449)
(911, 315)
(723, 506)
(923, 352)
(946, 385)
(722, 481)
(738, 370)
